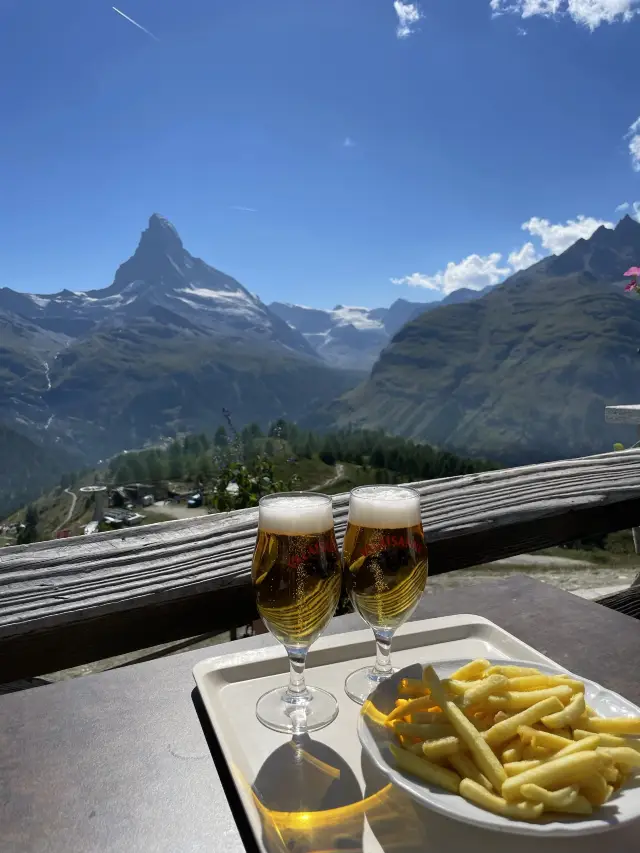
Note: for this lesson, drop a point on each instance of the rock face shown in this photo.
(523, 374)
(164, 347)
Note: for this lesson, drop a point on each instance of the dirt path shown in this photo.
(332, 480)
(69, 515)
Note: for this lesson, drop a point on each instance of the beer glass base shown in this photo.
(362, 682)
(275, 712)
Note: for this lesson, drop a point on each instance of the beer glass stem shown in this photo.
(383, 668)
(297, 693)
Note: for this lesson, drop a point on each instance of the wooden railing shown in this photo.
(69, 602)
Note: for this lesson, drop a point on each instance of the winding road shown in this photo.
(67, 519)
(332, 480)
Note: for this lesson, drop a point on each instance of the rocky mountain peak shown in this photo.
(160, 236)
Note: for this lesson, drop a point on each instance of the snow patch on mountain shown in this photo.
(355, 316)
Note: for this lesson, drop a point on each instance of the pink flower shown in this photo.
(634, 271)
(630, 286)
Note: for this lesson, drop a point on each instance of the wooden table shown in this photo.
(125, 760)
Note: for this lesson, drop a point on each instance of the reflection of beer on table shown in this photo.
(385, 555)
(296, 568)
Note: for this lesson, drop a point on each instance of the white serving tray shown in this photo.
(322, 794)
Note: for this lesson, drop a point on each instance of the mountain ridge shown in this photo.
(168, 344)
(523, 374)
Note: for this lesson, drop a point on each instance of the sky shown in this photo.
(320, 151)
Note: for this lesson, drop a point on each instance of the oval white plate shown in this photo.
(375, 739)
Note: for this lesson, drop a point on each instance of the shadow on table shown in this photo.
(308, 799)
(402, 826)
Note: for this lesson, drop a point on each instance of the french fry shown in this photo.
(541, 738)
(528, 682)
(484, 688)
(566, 733)
(554, 773)
(519, 700)
(474, 792)
(436, 750)
(509, 756)
(426, 770)
(568, 716)
(595, 789)
(482, 723)
(511, 671)
(534, 682)
(422, 703)
(473, 669)
(607, 739)
(411, 687)
(556, 754)
(531, 752)
(427, 731)
(464, 766)
(484, 758)
(513, 768)
(507, 729)
(623, 755)
(580, 805)
(426, 717)
(458, 688)
(611, 774)
(614, 725)
(585, 745)
(573, 804)
(552, 800)
(512, 751)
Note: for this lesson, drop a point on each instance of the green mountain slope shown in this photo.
(522, 374)
(124, 386)
(27, 468)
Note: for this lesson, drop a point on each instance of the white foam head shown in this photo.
(384, 507)
(301, 515)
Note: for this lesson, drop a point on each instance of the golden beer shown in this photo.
(297, 576)
(386, 572)
(385, 568)
(297, 580)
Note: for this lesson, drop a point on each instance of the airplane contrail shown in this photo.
(135, 23)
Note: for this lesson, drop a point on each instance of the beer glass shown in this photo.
(385, 567)
(297, 576)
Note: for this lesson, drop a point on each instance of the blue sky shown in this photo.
(465, 120)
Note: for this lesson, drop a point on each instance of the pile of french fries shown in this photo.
(512, 740)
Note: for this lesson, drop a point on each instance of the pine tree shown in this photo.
(29, 533)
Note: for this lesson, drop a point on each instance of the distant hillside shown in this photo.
(233, 469)
(27, 469)
(524, 373)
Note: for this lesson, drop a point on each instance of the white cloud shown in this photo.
(622, 207)
(636, 210)
(474, 272)
(245, 209)
(588, 13)
(521, 31)
(409, 14)
(477, 272)
(524, 257)
(348, 143)
(556, 238)
(633, 135)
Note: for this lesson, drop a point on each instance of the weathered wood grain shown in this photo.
(71, 601)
